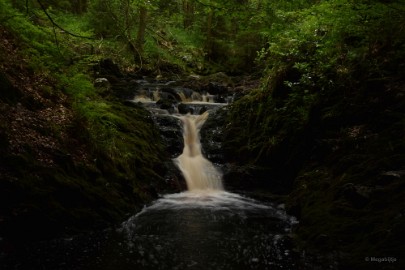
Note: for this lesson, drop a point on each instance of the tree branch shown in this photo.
(55, 24)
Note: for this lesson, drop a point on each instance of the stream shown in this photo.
(189, 230)
(205, 227)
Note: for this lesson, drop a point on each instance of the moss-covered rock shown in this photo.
(67, 193)
(72, 159)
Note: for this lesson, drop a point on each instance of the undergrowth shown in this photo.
(105, 157)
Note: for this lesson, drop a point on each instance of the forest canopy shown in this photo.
(236, 36)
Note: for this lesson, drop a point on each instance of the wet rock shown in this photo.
(166, 103)
(322, 240)
(108, 67)
(185, 94)
(215, 88)
(194, 77)
(132, 104)
(170, 93)
(170, 130)
(357, 195)
(124, 89)
(185, 109)
(103, 86)
(236, 177)
(101, 83)
(221, 78)
(391, 176)
(220, 99)
(218, 83)
(202, 110)
(212, 135)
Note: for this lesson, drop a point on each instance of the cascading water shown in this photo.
(199, 173)
(202, 228)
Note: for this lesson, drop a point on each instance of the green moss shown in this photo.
(102, 164)
(124, 135)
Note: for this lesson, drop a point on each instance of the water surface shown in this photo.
(189, 230)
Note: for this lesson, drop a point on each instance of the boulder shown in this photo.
(101, 83)
(185, 109)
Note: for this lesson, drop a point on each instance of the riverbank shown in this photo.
(69, 162)
(338, 157)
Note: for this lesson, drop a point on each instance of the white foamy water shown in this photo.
(210, 229)
(210, 199)
(216, 203)
(199, 172)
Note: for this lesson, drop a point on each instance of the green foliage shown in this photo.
(118, 135)
(228, 33)
(101, 157)
(42, 50)
(333, 48)
(106, 17)
(177, 48)
(224, 35)
(77, 86)
(329, 116)
(330, 40)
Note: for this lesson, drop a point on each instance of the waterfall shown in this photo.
(199, 173)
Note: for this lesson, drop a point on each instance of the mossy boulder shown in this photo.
(72, 193)
(71, 162)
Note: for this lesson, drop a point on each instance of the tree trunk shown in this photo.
(188, 13)
(208, 40)
(143, 12)
(80, 6)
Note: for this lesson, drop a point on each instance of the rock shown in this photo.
(220, 78)
(219, 99)
(103, 86)
(389, 177)
(170, 130)
(166, 103)
(170, 93)
(396, 174)
(322, 240)
(108, 67)
(212, 135)
(357, 195)
(101, 82)
(203, 110)
(184, 109)
(124, 89)
(194, 77)
(215, 88)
